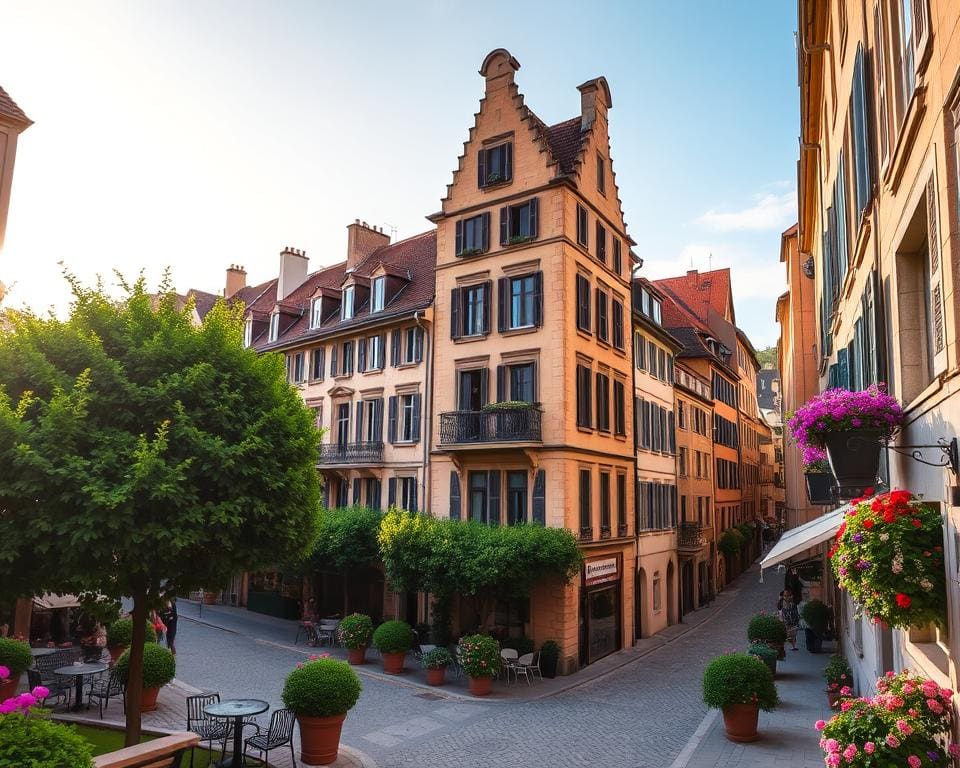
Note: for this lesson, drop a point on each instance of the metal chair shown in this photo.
(508, 657)
(327, 631)
(104, 688)
(306, 629)
(527, 665)
(207, 728)
(58, 689)
(278, 734)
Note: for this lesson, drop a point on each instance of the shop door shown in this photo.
(603, 622)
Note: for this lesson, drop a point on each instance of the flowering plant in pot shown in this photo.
(320, 692)
(436, 662)
(393, 639)
(816, 473)
(767, 628)
(480, 659)
(355, 632)
(159, 668)
(925, 703)
(888, 555)
(838, 676)
(15, 658)
(120, 634)
(740, 685)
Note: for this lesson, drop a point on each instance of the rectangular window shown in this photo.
(618, 340)
(343, 423)
(495, 165)
(601, 175)
(583, 303)
(522, 383)
(652, 358)
(603, 329)
(682, 462)
(408, 493)
(617, 255)
(619, 408)
(248, 333)
(316, 312)
(860, 131)
(378, 294)
(478, 496)
(475, 309)
(601, 243)
(373, 420)
(298, 367)
(603, 402)
(473, 235)
(584, 381)
(408, 416)
(316, 358)
(412, 345)
(586, 504)
(519, 223)
(372, 492)
(522, 301)
(346, 367)
(604, 503)
(639, 352)
(274, 326)
(516, 497)
(346, 305)
(582, 235)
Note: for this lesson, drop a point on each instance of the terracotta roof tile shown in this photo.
(10, 110)
(701, 291)
(566, 142)
(204, 301)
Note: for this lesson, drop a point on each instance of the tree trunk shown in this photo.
(346, 593)
(135, 669)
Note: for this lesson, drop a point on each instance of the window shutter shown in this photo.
(861, 137)
(601, 242)
(378, 420)
(881, 84)
(534, 217)
(392, 420)
(455, 324)
(502, 304)
(600, 405)
(484, 386)
(617, 255)
(501, 383)
(540, 497)
(333, 360)
(392, 492)
(358, 426)
(356, 491)
(459, 239)
(415, 427)
(381, 363)
(487, 300)
(538, 299)
(672, 431)
(485, 232)
(617, 324)
(394, 348)
(936, 280)
(921, 32)
(508, 161)
(413, 496)
(361, 355)
(454, 495)
(321, 364)
(493, 497)
(418, 344)
(504, 226)
(482, 168)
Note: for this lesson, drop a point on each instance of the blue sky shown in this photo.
(195, 135)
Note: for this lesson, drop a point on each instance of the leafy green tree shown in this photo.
(141, 454)
(479, 562)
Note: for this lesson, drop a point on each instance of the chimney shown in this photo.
(362, 240)
(595, 100)
(236, 280)
(498, 68)
(293, 271)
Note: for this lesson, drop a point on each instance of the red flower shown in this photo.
(900, 497)
(888, 516)
(903, 600)
(868, 491)
(868, 523)
(916, 523)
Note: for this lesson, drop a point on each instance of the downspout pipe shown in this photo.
(427, 409)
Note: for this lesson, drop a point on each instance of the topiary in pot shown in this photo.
(549, 657)
(159, 668)
(355, 632)
(321, 692)
(816, 615)
(436, 663)
(766, 654)
(740, 685)
(37, 741)
(767, 628)
(120, 635)
(15, 655)
(393, 639)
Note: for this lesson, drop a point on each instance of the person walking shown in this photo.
(790, 617)
(168, 614)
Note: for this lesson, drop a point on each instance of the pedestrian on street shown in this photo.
(793, 583)
(790, 617)
(168, 615)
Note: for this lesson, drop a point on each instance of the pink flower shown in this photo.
(930, 689)
(913, 761)
(934, 706)
(946, 693)
(892, 741)
(833, 759)
(889, 673)
(26, 700)
(846, 690)
(954, 750)
(908, 688)
(41, 692)
(850, 752)
(904, 728)
(8, 706)
(4, 672)
(845, 705)
(869, 747)
(299, 665)
(820, 725)
(832, 745)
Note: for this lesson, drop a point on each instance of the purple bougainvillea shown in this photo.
(837, 410)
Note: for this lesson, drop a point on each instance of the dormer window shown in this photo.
(316, 312)
(274, 326)
(495, 165)
(346, 308)
(378, 294)
(248, 332)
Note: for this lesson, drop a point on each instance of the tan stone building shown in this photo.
(533, 303)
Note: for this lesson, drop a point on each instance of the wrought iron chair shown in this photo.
(280, 733)
(56, 684)
(305, 628)
(58, 688)
(508, 663)
(209, 729)
(104, 688)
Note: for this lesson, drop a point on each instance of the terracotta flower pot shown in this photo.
(116, 651)
(148, 699)
(740, 722)
(393, 662)
(480, 686)
(437, 676)
(357, 655)
(8, 688)
(320, 738)
(833, 698)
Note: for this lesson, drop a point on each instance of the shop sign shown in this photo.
(600, 571)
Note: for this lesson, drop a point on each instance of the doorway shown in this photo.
(686, 588)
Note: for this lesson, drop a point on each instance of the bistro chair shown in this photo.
(327, 631)
(58, 689)
(508, 658)
(279, 733)
(104, 688)
(209, 729)
(527, 665)
(307, 630)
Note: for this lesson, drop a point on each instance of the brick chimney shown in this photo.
(362, 240)
(236, 280)
(293, 271)
(595, 100)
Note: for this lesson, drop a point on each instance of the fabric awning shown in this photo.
(50, 601)
(801, 538)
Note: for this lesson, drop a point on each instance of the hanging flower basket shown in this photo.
(889, 556)
(819, 487)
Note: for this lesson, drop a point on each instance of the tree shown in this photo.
(482, 563)
(141, 454)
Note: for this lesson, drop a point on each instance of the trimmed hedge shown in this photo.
(15, 655)
(816, 615)
(321, 688)
(37, 741)
(766, 628)
(393, 637)
(121, 633)
(739, 678)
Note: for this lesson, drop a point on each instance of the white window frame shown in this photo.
(248, 332)
(297, 367)
(374, 353)
(405, 491)
(405, 419)
(316, 312)
(378, 293)
(369, 421)
(346, 306)
(274, 326)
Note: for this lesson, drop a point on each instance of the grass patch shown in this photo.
(106, 740)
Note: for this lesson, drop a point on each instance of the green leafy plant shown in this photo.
(120, 633)
(470, 251)
(762, 651)
(41, 743)
(322, 687)
(159, 665)
(15, 655)
(517, 239)
(766, 628)
(346, 538)
(731, 541)
(739, 678)
(479, 655)
(438, 658)
(816, 615)
(508, 405)
(493, 178)
(393, 636)
(550, 649)
(355, 630)
(837, 673)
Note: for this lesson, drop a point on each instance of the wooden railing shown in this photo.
(165, 752)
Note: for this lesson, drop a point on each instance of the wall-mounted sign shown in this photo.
(600, 571)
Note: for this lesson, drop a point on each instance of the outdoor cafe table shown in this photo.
(78, 672)
(37, 652)
(237, 709)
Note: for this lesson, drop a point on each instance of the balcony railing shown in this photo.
(351, 453)
(516, 425)
(689, 536)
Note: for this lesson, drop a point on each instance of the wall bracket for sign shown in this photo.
(949, 454)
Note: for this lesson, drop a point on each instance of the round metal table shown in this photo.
(37, 652)
(78, 672)
(237, 709)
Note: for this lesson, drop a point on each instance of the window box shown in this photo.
(470, 251)
(518, 239)
(508, 405)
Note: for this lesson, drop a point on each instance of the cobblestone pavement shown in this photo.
(639, 715)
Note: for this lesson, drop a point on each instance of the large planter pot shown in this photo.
(393, 662)
(854, 457)
(116, 651)
(548, 666)
(833, 698)
(740, 722)
(820, 487)
(437, 676)
(357, 655)
(148, 699)
(480, 686)
(814, 642)
(8, 688)
(320, 738)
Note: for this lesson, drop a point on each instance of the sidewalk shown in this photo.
(787, 736)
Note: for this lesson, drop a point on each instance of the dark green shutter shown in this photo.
(356, 491)
(415, 428)
(508, 161)
(454, 495)
(501, 383)
(493, 497)
(361, 355)
(459, 239)
(487, 301)
(358, 427)
(540, 497)
(504, 226)
(391, 492)
(333, 360)
(392, 419)
(395, 347)
(485, 231)
(502, 304)
(538, 299)
(455, 313)
(482, 168)
(534, 216)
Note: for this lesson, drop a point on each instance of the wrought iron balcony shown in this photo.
(513, 425)
(351, 453)
(689, 536)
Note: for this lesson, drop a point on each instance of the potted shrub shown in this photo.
(740, 686)
(120, 634)
(766, 654)
(888, 556)
(731, 542)
(480, 659)
(355, 632)
(838, 676)
(816, 615)
(320, 692)
(549, 657)
(816, 472)
(851, 427)
(159, 668)
(436, 663)
(393, 639)
(15, 658)
(767, 628)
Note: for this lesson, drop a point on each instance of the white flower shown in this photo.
(926, 584)
(884, 536)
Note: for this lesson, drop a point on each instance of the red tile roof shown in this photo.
(701, 291)
(10, 110)
(566, 142)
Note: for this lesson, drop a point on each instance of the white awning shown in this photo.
(801, 538)
(50, 601)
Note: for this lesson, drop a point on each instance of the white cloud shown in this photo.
(771, 211)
